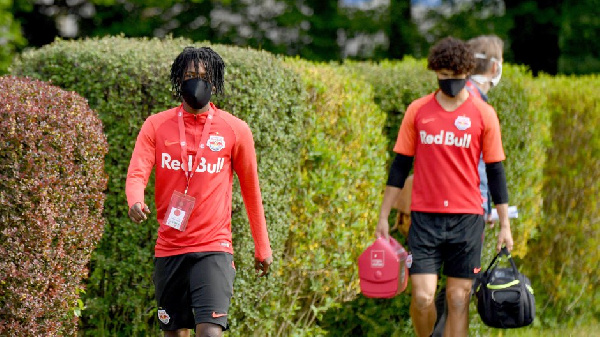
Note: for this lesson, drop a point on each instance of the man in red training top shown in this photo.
(195, 148)
(446, 132)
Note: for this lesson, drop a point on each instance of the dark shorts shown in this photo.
(193, 288)
(453, 241)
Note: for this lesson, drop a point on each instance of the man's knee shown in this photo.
(458, 298)
(208, 330)
(422, 299)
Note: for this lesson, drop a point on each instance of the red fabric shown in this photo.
(209, 226)
(446, 179)
(473, 89)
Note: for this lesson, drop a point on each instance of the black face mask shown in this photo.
(452, 86)
(196, 92)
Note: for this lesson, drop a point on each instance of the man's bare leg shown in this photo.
(422, 307)
(458, 292)
(178, 333)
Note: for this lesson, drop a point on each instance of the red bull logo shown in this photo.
(174, 164)
(216, 143)
(462, 123)
(446, 138)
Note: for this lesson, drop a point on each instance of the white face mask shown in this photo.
(485, 79)
(496, 79)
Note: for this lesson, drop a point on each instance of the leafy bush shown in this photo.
(567, 281)
(396, 84)
(126, 80)
(525, 125)
(335, 202)
(51, 181)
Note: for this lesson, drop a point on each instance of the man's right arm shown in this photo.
(398, 173)
(140, 166)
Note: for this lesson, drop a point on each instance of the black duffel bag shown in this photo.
(504, 296)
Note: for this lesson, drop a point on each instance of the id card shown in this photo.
(179, 211)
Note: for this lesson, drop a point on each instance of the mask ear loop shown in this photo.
(496, 79)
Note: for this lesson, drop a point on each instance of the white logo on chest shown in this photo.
(174, 164)
(446, 138)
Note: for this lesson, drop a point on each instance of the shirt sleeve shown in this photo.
(492, 140)
(407, 135)
(246, 168)
(141, 164)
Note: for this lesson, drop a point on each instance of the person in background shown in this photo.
(195, 148)
(445, 133)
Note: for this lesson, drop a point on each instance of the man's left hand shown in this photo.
(262, 267)
(505, 238)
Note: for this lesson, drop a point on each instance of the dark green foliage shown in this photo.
(10, 36)
(51, 183)
(370, 317)
(579, 40)
(126, 80)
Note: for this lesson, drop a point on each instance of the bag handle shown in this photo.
(503, 251)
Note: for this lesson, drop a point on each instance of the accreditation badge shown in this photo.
(179, 210)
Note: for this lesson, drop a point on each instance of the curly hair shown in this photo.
(452, 54)
(212, 62)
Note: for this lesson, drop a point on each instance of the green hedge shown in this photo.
(336, 199)
(567, 283)
(126, 80)
(396, 84)
(51, 181)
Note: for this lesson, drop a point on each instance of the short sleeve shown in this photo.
(407, 135)
(492, 140)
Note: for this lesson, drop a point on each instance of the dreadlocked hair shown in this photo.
(212, 62)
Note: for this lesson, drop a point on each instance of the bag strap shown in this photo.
(504, 251)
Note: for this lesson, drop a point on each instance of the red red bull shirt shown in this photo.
(229, 148)
(447, 146)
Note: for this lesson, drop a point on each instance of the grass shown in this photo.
(592, 330)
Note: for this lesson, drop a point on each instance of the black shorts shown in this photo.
(453, 241)
(193, 288)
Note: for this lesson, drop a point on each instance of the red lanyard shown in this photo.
(182, 141)
(473, 89)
